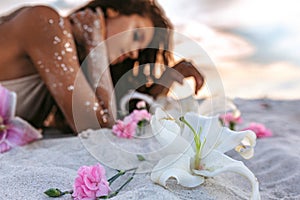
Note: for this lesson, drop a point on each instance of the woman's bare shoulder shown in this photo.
(20, 21)
(40, 11)
(33, 18)
(39, 23)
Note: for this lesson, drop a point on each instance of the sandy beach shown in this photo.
(28, 171)
(260, 72)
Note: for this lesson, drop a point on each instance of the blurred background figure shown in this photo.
(54, 61)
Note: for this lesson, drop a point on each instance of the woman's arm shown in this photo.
(89, 31)
(47, 38)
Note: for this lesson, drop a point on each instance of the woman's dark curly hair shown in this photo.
(158, 50)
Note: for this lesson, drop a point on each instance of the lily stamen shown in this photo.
(168, 118)
(242, 148)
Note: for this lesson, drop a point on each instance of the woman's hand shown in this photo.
(177, 73)
(183, 70)
(88, 28)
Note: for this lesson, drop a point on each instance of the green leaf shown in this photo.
(140, 157)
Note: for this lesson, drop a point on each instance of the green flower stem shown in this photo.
(141, 123)
(231, 125)
(112, 179)
(68, 192)
(196, 136)
(140, 126)
(203, 144)
(120, 188)
(197, 159)
(120, 173)
(197, 141)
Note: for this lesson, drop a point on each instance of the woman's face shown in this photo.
(136, 32)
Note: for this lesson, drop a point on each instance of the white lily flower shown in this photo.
(198, 150)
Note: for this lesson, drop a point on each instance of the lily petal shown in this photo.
(175, 166)
(210, 128)
(242, 141)
(164, 127)
(167, 133)
(3, 145)
(7, 103)
(217, 162)
(220, 138)
(21, 132)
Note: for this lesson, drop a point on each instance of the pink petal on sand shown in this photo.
(21, 132)
(4, 147)
(7, 103)
(259, 129)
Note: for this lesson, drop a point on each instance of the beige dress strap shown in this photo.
(34, 101)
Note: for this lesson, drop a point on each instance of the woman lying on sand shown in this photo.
(41, 54)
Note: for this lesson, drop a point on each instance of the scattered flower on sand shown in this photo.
(140, 115)
(259, 129)
(14, 131)
(90, 183)
(231, 119)
(127, 127)
(190, 163)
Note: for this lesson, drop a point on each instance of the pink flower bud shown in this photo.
(141, 104)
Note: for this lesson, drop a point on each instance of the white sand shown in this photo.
(28, 171)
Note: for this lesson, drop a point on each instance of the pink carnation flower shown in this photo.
(230, 118)
(14, 131)
(140, 115)
(90, 183)
(125, 128)
(259, 129)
